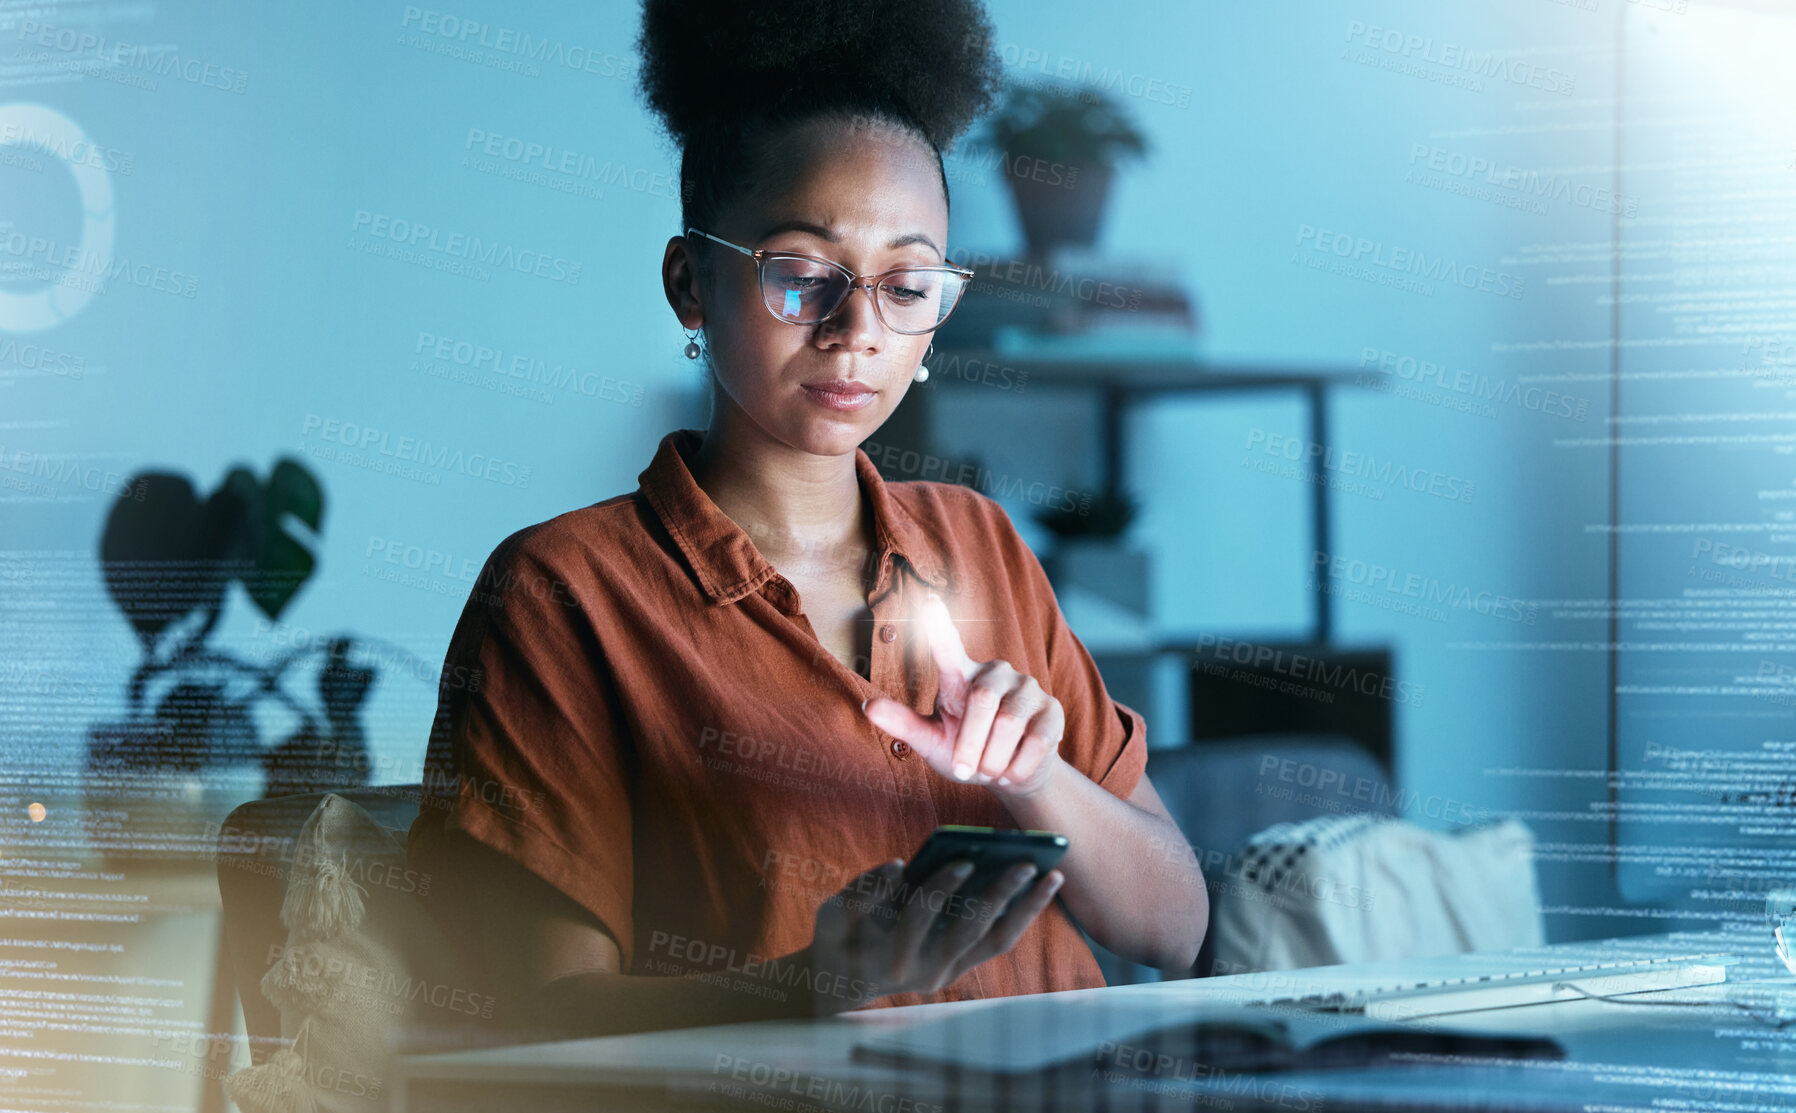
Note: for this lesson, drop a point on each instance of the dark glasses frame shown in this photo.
(875, 282)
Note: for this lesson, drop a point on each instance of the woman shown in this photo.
(688, 735)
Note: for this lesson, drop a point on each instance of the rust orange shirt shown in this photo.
(634, 707)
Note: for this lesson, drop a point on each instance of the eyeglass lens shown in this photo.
(805, 291)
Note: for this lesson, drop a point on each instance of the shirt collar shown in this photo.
(722, 556)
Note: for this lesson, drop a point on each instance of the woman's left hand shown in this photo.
(992, 724)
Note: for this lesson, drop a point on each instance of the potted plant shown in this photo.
(1089, 551)
(1061, 145)
(192, 710)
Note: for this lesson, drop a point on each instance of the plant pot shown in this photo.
(1055, 213)
(139, 804)
(1105, 567)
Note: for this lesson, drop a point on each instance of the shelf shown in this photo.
(1148, 376)
(1122, 380)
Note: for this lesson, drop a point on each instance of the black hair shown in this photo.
(725, 75)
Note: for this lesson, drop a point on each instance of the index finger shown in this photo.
(945, 646)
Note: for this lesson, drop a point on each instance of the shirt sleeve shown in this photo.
(1105, 739)
(529, 753)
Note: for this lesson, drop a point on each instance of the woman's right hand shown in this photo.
(892, 938)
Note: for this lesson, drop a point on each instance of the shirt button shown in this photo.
(887, 632)
(900, 749)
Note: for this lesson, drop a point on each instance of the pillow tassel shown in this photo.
(323, 901)
(289, 985)
(277, 1086)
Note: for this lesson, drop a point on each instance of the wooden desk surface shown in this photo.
(1693, 1050)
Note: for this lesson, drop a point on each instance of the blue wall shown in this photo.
(1290, 130)
(1302, 125)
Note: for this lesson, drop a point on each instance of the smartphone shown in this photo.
(992, 850)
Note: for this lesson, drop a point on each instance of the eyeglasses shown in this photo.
(806, 290)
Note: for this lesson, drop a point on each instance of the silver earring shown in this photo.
(922, 374)
(692, 348)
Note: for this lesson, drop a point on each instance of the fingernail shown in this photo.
(865, 702)
(1003, 780)
(962, 772)
(961, 869)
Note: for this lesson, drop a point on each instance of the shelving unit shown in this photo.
(1120, 384)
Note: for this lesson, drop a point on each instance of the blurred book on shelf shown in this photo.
(1074, 304)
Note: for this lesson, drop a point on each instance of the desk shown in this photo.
(1620, 1057)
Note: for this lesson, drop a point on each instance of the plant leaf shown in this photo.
(281, 569)
(156, 555)
(293, 489)
(277, 564)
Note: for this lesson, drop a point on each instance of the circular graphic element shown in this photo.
(35, 125)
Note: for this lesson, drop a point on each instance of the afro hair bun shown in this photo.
(706, 62)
